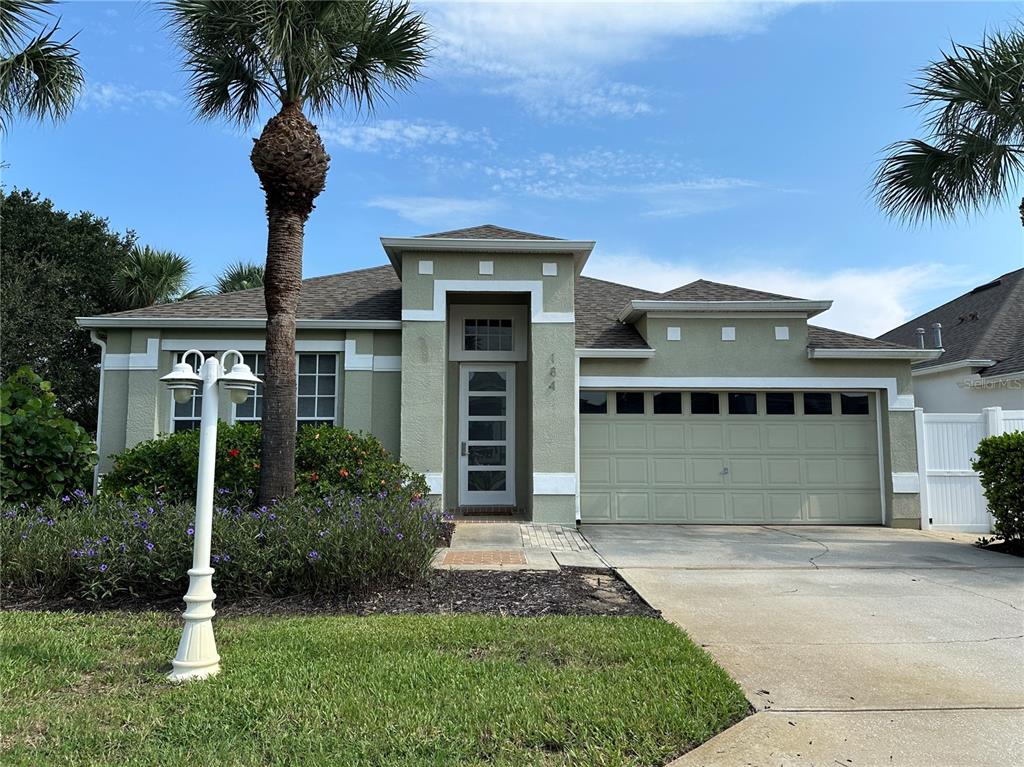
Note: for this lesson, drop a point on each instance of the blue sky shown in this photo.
(729, 141)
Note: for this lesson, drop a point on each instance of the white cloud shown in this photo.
(555, 57)
(398, 135)
(437, 212)
(126, 97)
(867, 301)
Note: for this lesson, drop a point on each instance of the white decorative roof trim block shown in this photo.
(435, 482)
(782, 332)
(442, 287)
(426, 266)
(486, 267)
(896, 401)
(728, 333)
(906, 482)
(147, 360)
(554, 483)
(549, 269)
(674, 333)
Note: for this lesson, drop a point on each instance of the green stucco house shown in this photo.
(486, 360)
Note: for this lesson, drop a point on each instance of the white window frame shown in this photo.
(300, 420)
(456, 332)
(506, 497)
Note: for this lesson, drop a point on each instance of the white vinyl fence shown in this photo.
(951, 495)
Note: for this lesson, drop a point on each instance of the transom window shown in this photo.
(488, 335)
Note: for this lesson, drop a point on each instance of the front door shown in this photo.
(486, 435)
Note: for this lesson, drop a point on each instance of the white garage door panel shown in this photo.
(730, 469)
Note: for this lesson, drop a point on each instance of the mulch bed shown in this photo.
(515, 593)
(1013, 548)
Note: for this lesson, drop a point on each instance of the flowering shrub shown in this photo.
(44, 453)
(328, 459)
(105, 547)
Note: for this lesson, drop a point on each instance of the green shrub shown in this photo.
(43, 453)
(328, 459)
(103, 547)
(1001, 464)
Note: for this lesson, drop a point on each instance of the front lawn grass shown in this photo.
(385, 690)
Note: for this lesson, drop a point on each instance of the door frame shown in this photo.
(487, 498)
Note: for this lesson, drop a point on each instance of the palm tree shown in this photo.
(241, 275)
(291, 55)
(974, 101)
(150, 276)
(39, 77)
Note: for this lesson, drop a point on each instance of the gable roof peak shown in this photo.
(486, 232)
(706, 290)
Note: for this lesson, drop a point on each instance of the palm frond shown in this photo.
(150, 276)
(241, 275)
(16, 19)
(42, 80)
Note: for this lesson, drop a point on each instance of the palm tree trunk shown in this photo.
(1022, 211)
(281, 293)
(291, 161)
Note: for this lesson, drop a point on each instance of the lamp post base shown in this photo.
(197, 656)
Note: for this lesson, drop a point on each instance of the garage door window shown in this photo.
(594, 402)
(704, 403)
(742, 403)
(817, 403)
(779, 403)
(668, 403)
(853, 403)
(629, 402)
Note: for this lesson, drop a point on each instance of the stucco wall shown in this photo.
(958, 391)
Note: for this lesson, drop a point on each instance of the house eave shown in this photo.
(614, 353)
(636, 308)
(580, 250)
(815, 353)
(948, 366)
(231, 322)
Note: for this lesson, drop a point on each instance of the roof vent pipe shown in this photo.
(920, 338)
(937, 334)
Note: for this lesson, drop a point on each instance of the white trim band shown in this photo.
(435, 482)
(380, 363)
(906, 482)
(554, 483)
(250, 345)
(147, 360)
(947, 366)
(816, 353)
(614, 353)
(442, 287)
(231, 322)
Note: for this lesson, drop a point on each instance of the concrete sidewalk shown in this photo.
(857, 646)
(515, 546)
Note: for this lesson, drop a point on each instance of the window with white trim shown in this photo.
(487, 335)
(317, 389)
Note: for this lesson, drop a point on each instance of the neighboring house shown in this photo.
(981, 335)
(487, 362)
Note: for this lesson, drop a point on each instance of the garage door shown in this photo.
(729, 457)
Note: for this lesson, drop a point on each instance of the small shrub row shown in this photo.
(1001, 465)
(328, 460)
(102, 548)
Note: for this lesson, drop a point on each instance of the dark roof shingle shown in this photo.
(597, 308)
(487, 232)
(826, 338)
(705, 290)
(985, 323)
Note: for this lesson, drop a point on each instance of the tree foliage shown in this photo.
(973, 156)
(44, 453)
(150, 276)
(40, 76)
(55, 267)
(241, 275)
(1001, 465)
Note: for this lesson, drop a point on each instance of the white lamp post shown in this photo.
(197, 652)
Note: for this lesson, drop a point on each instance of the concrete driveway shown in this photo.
(857, 645)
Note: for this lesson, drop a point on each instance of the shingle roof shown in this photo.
(705, 290)
(826, 338)
(984, 323)
(366, 294)
(487, 232)
(376, 294)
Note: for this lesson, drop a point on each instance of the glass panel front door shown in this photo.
(486, 444)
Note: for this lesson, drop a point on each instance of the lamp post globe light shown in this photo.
(197, 652)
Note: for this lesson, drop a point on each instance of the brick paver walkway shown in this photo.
(552, 537)
(484, 557)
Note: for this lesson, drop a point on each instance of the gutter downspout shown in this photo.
(100, 342)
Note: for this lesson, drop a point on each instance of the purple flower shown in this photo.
(79, 493)
(215, 558)
(272, 516)
(90, 553)
(149, 546)
(313, 556)
(226, 557)
(191, 531)
(123, 548)
(103, 567)
(399, 536)
(65, 498)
